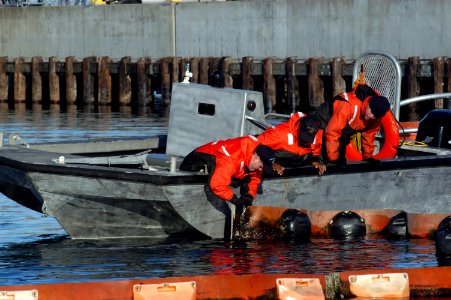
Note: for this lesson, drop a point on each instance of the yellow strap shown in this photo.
(361, 78)
(415, 143)
(357, 140)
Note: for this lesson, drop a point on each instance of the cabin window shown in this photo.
(206, 109)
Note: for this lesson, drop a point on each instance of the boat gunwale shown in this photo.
(180, 178)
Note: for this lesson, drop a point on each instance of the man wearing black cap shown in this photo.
(361, 111)
(300, 135)
(226, 160)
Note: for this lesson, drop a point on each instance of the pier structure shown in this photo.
(288, 84)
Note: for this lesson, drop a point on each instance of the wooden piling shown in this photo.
(439, 71)
(269, 85)
(213, 65)
(175, 71)
(413, 86)
(203, 70)
(184, 62)
(143, 81)
(338, 83)
(449, 82)
(225, 69)
(125, 82)
(98, 79)
(246, 73)
(54, 81)
(88, 80)
(19, 82)
(165, 80)
(71, 81)
(36, 80)
(3, 79)
(292, 85)
(104, 96)
(315, 84)
(195, 70)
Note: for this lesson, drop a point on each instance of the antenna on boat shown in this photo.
(188, 73)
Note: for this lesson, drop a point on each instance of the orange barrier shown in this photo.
(432, 281)
(423, 282)
(387, 285)
(165, 291)
(299, 288)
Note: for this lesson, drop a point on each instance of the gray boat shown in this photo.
(133, 188)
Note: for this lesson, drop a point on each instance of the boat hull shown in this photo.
(94, 202)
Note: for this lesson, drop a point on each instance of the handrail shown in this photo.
(277, 115)
(425, 97)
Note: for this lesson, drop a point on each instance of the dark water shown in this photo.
(34, 249)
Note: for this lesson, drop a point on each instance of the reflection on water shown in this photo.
(61, 259)
(38, 125)
(34, 249)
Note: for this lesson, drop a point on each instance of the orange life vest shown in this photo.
(285, 137)
(232, 160)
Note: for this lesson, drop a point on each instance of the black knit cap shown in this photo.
(268, 157)
(308, 127)
(379, 106)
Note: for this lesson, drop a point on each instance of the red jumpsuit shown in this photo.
(285, 137)
(232, 160)
(348, 113)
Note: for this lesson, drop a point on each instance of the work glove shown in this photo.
(375, 163)
(244, 200)
(247, 199)
(341, 163)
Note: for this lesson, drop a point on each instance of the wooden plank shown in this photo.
(413, 86)
(71, 81)
(246, 73)
(125, 85)
(104, 81)
(315, 84)
(88, 80)
(19, 81)
(292, 85)
(3, 79)
(143, 81)
(36, 80)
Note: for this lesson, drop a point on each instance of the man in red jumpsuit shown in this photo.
(360, 110)
(225, 160)
(300, 135)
